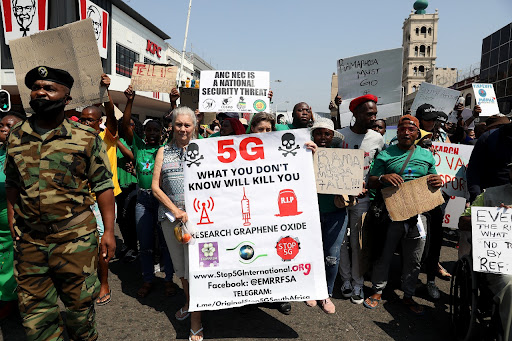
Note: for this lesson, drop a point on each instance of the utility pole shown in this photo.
(184, 44)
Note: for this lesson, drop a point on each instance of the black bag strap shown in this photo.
(407, 160)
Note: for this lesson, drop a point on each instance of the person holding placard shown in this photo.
(395, 165)
(262, 123)
(333, 220)
(358, 136)
(91, 117)
(146, 209)
(169, 189)
(302, 116)
(499, 284)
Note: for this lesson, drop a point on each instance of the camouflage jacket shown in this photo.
(53, 175)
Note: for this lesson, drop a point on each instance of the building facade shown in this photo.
(496, 65)
(419, 42)
(131, 38)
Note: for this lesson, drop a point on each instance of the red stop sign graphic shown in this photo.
(287, 248)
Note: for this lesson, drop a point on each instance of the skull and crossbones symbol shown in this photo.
(288, 142)
(193, 156)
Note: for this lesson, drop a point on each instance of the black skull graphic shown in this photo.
(289, 144)
(193, 156)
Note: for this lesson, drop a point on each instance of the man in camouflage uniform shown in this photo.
(51, 162)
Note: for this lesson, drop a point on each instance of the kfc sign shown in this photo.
(153, 48)
(99, 23)
(22, 18)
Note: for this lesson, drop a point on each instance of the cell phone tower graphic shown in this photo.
(246, 210)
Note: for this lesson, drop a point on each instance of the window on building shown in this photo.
(429, 31)
(468, 100)
(414, 88)
(417, 31)
(502, 71)
(423, 30)
(428, 51)
(422, 51)
(415, 69)
(124, 60)
(416, 51)
(148, 61)
(421, 70)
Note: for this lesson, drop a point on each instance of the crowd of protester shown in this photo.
(144, 174)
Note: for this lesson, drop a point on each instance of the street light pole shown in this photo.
(184, 43)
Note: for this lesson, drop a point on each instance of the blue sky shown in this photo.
(299, 41)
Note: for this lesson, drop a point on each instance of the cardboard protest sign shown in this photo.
(339, 171)
(22, 18)
(443, 99)
(234, 91)
(251, 201)
(189, 97)
(377, 73)
(492, 239)
(411, 198)
(451, 164)
(154, 77)
(486, 99)
(99, 17)
(452, 212)
(70, 47)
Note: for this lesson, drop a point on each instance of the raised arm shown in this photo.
(174, 95)
(127, 115)
(111, 123)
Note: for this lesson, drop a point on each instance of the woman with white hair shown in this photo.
(168, 187)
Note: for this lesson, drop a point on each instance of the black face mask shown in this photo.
(45, 108)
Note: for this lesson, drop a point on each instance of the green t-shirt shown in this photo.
(392, 159)
(217, 134)
(125, 178)
(144, 161)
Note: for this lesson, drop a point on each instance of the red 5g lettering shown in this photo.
(250, 149)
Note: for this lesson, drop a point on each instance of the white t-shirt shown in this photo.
(371, 142)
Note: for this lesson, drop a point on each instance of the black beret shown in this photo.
(48, 74)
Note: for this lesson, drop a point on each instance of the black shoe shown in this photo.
(284, 307)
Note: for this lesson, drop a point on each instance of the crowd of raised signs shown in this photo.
(359, 238)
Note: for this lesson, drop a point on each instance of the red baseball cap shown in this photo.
(360, 100)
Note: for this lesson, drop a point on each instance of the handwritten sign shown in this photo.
(339, 171)
(189, 97)
(378, 73)
(71, 47)
(486, 99)
(154, 77)
(492, 239)
(443, 99)
(411, 198)
(451, 165)
(234, 91)
(251, 200)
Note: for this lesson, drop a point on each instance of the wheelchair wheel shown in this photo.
(463, 300)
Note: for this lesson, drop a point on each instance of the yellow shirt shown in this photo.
(111, 144)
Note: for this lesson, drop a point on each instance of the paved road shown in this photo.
(152, 318)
